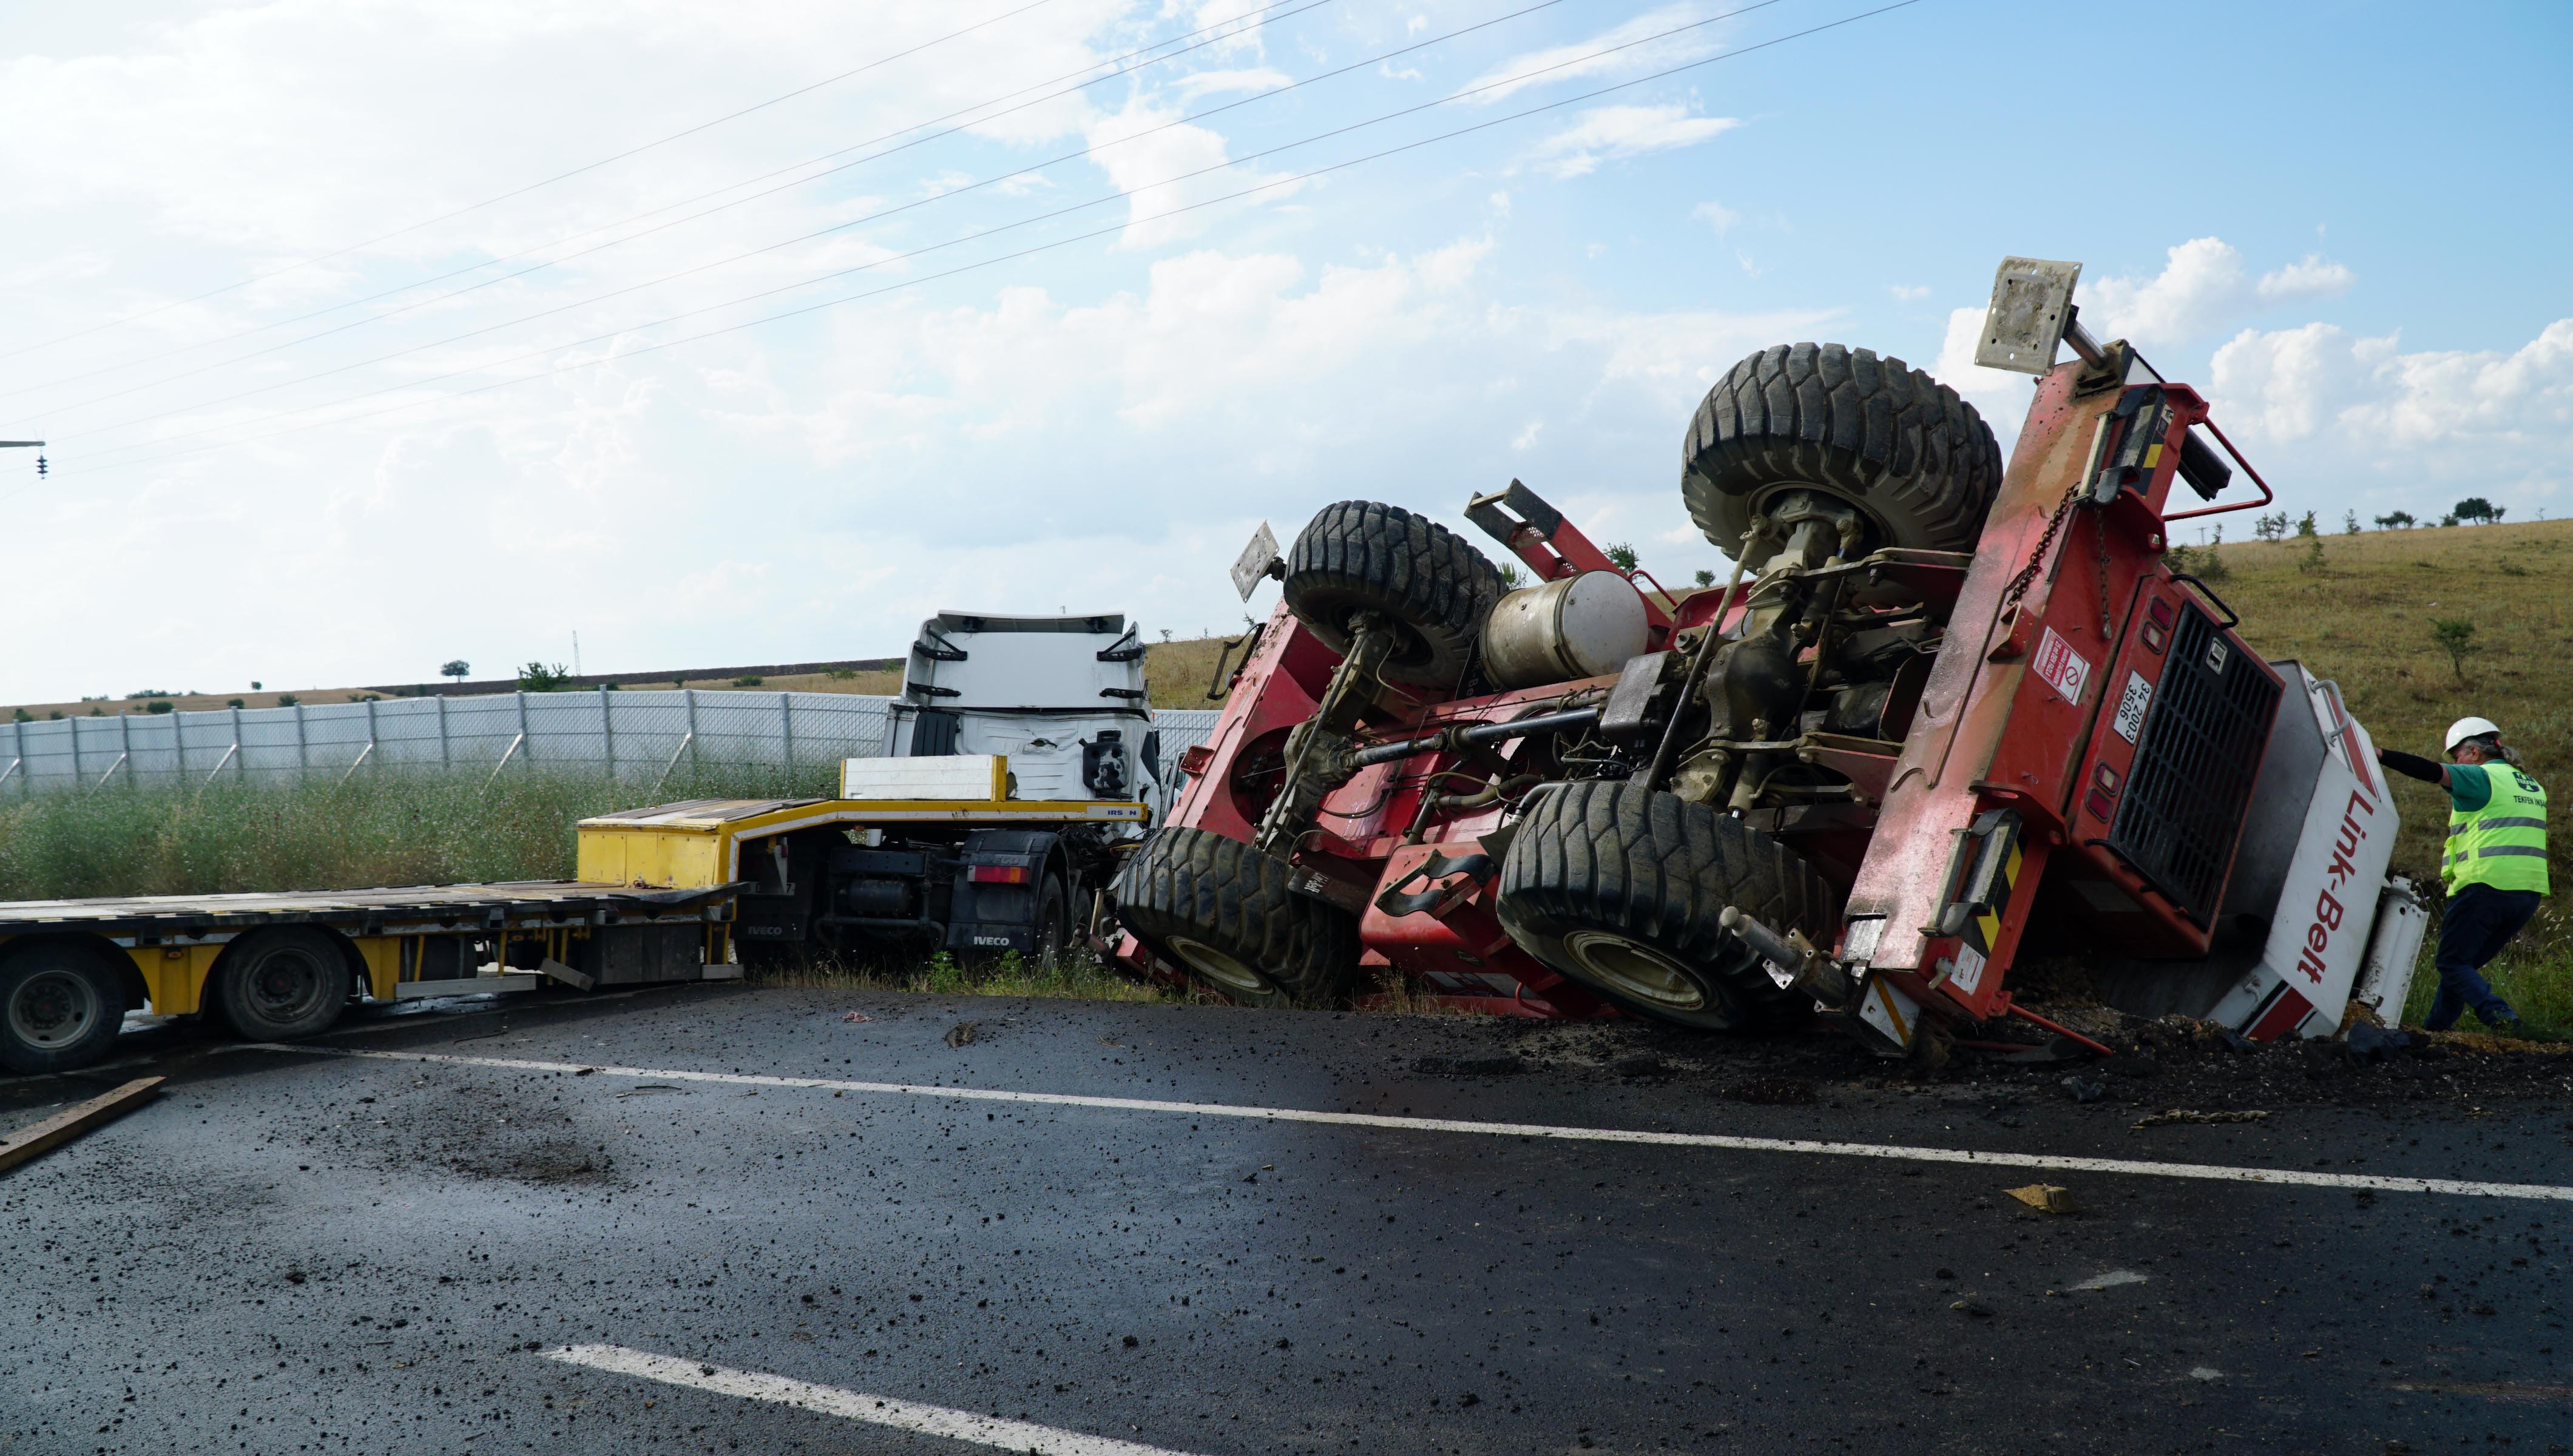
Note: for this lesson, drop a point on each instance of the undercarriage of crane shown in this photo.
(1943, 719)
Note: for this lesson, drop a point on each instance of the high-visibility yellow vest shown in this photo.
(2502, 844)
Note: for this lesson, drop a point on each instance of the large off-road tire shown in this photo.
(61, 1004)
(1427, 581)
(1222, 911)
(1621, 890)
(1918, 462)
(283, 984)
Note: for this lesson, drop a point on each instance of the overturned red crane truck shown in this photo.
(1944, 721)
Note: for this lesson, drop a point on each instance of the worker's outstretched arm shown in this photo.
(2412, 766)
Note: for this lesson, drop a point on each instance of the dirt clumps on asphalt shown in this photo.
(2157, 1065)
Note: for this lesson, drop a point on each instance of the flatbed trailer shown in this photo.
(935, 852)
(278, 966)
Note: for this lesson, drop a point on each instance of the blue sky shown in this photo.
(2345, 223)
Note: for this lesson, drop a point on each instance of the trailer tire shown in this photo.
(1621, 890)
(61, 1004)
(1222, 911)
(283, 984)
(1430, 581)
(1053, 921)
(1917, 461)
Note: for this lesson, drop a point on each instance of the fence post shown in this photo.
(370, 751)
(444, 760)
(691, 695)
(244, 770)
(18, 741)
(302, 756)
(607, 731)
(125, 745)
(786, 732)
(523, 731)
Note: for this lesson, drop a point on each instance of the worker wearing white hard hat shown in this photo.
(2494, 865)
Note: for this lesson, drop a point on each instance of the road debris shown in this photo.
(1502, 1065)
(962, 1033)
(72, 1121)
(2110, 1280)
(1774, 1092)
(2044, 1198)
(2188, 1115)
(853, 1017)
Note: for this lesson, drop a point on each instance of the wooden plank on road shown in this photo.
(71, 1122)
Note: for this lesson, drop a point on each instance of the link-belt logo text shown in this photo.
(2328, 910)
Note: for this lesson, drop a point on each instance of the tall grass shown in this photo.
(374, 830)
(1075, 975)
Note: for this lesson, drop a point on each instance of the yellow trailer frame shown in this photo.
(697, 844)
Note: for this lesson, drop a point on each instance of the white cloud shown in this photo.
(2335, 420)
(1715, 215)
(1157, 153)
(1226, 83)
(2203, 289)
(1527, 437)
(1581, 59)
(1907, 292)
(1609, 133)
(2295, 383)
(1997, 394)
(2314, 276)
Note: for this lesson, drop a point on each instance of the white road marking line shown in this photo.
(2053, 1163)
(882, 1410)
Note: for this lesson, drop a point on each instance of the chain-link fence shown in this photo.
(629, 736)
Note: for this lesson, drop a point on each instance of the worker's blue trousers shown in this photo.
(2478, 921)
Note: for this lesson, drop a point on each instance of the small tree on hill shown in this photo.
(2209, 561)
(1622, 556)
(2310, 559)
(2396, 520)
(2349, 522)
(459, 669)
(536, 678)
(2306, 527)
(1705, 577)
(2475, 508)
(2456, 637)
(2271, 527)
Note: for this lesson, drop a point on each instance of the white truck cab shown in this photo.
(1061, 697)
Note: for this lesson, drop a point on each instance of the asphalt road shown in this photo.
(300, 1252)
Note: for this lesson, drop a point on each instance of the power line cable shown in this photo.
(1196, 40)
(1268, 186)
(534, 186)
(996, 179)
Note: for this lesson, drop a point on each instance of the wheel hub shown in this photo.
(1223, 970)
(1635, 970)
(53, 1009)
(284, 984)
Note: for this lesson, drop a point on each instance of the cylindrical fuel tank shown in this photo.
(1573, 626)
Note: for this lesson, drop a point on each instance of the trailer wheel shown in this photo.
(61, 1004)
(1221, 910)
(1621, 890)
(1430, 581)
(283, 984)
(1054, 922)
(1917, 461)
